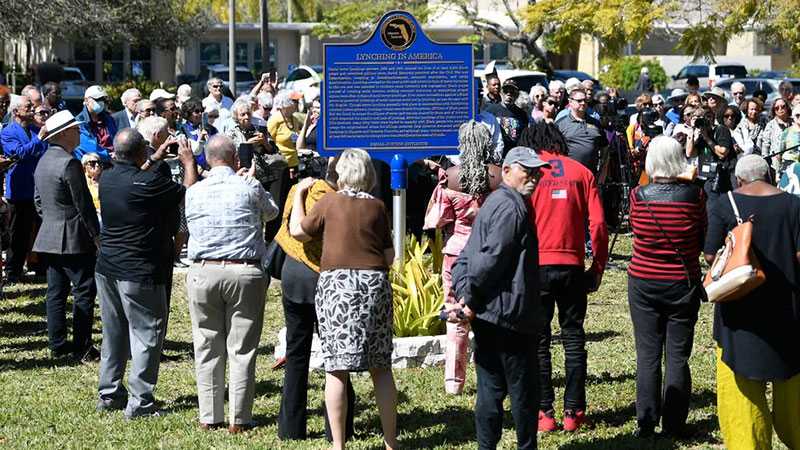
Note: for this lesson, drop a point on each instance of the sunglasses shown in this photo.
(93, 163)
(216, 86)
(729, 116)
(777, 107)
(197, 111)
(45, 112)
(551, 102)
(658, 104)
(578, 100)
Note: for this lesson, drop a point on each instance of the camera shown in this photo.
(700, 122)
(648, 119)
(312, 166)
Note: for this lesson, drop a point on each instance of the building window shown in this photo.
(241, 54)
(498, 52)
(84, 58)
(113, 66)
(257, 56)
(210, 53)
(140, 61)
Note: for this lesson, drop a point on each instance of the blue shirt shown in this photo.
(673, 115)
(225, 214)
(24, 143)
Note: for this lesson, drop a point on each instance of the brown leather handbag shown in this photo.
(736, 270)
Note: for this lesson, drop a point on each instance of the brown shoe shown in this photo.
(211, 426)
(236, 428)
(279, 363)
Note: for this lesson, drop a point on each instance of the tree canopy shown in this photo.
(161, 23)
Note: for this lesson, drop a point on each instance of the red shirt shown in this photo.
(565, 199)
(100, 130)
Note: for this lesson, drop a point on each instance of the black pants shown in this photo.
(563, 286)
(664, 314)
(505, 363)
(301, 321)
(77, 271)
(23, 215)
(279, 189)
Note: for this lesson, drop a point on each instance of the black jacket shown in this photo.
(497, 273)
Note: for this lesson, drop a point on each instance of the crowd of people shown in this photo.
(107, 202)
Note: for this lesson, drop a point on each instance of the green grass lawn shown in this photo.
(43, 405)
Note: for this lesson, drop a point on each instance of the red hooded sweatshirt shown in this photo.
(565, 198)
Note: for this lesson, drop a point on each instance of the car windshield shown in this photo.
(299, 74)
(241, 76)
(526, 82)
(72, 75)
(730, 71)
(694, 71)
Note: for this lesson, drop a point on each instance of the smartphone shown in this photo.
(245, 155)
(273, 76)
(204, 122)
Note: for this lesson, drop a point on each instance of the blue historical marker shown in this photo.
(399, 96)
(396, 93)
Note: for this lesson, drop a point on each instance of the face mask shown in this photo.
(98, 107)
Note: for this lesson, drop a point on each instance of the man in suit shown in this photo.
(127, 118)
(21, 140)
(68, 239)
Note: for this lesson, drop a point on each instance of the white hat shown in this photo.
(59, 122)
(160, 93)
(184, 92)
(676, 94)
(96, 92)
(716, 92)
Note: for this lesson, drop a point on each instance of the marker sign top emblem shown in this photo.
(398, 33)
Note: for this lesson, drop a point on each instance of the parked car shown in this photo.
(73, 84)
(245, 81)
(768, 85)
(301, 78)
(707, 74)
(774, 74)
(564, 75)
(525, 79)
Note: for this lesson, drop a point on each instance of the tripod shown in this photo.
(616, 192)
(768, 157)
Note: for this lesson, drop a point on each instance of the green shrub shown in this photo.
(794, 71)
(417, 293)
(623, 73)
(115, 90)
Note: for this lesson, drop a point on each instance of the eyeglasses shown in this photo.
(658, 104)
(149, 110)
(737, 93)
(729, 116)
(197, 111)
(781, 106)
(44, 112)
(551, 102)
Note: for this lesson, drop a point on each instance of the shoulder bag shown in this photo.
(736, 270)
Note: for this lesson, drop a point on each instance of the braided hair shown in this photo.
(544, 136)
(475, 148)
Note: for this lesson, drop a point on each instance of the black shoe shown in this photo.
(108, 406)
(678, 433)
(644, 432)
(13, 278)
(89, 355)
(62, 353)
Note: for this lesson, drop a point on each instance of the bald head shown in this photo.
(220, 151)
(129, 145)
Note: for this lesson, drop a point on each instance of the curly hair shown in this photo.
(544, 136)
(475, 148)
(190, 105)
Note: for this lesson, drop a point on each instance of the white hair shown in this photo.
(355, 170)
(795, 110)
(265, 100)
(572, 84)
(644, 70)
(282, 100)
(184, 91)
(89, 157)
(240, 104)
(149, 127)
(128, 94)
(665, 158)
(750, 168)
(538, 88)
(555, 85)
(212, 81)
(15, 101)
(658, 98)
(27, 90)
(738, 84)
(142, 103)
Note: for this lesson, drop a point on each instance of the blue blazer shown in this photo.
(89, 142)
(15, 142)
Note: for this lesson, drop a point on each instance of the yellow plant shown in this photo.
(417, 292)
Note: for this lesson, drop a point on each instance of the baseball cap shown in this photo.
(677, 94)
(524, 156)
(96, 92)
(510, 85)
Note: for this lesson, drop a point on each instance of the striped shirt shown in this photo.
(680, 211)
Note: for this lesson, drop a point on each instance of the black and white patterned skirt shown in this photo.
(354, 311)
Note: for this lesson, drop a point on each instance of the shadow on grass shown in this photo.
(604, 378)
(23, 328)
(184, 350)
(34, 363)
(27, 346)
(592, 336)
(34, 308)
(699, 435)
(454, 425)
(620, 416)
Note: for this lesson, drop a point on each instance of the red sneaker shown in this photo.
(547, 422)
(574, 419)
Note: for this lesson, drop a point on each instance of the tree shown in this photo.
(615, 23)
(136, 21)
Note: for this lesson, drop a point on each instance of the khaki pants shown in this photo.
(226, 304)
